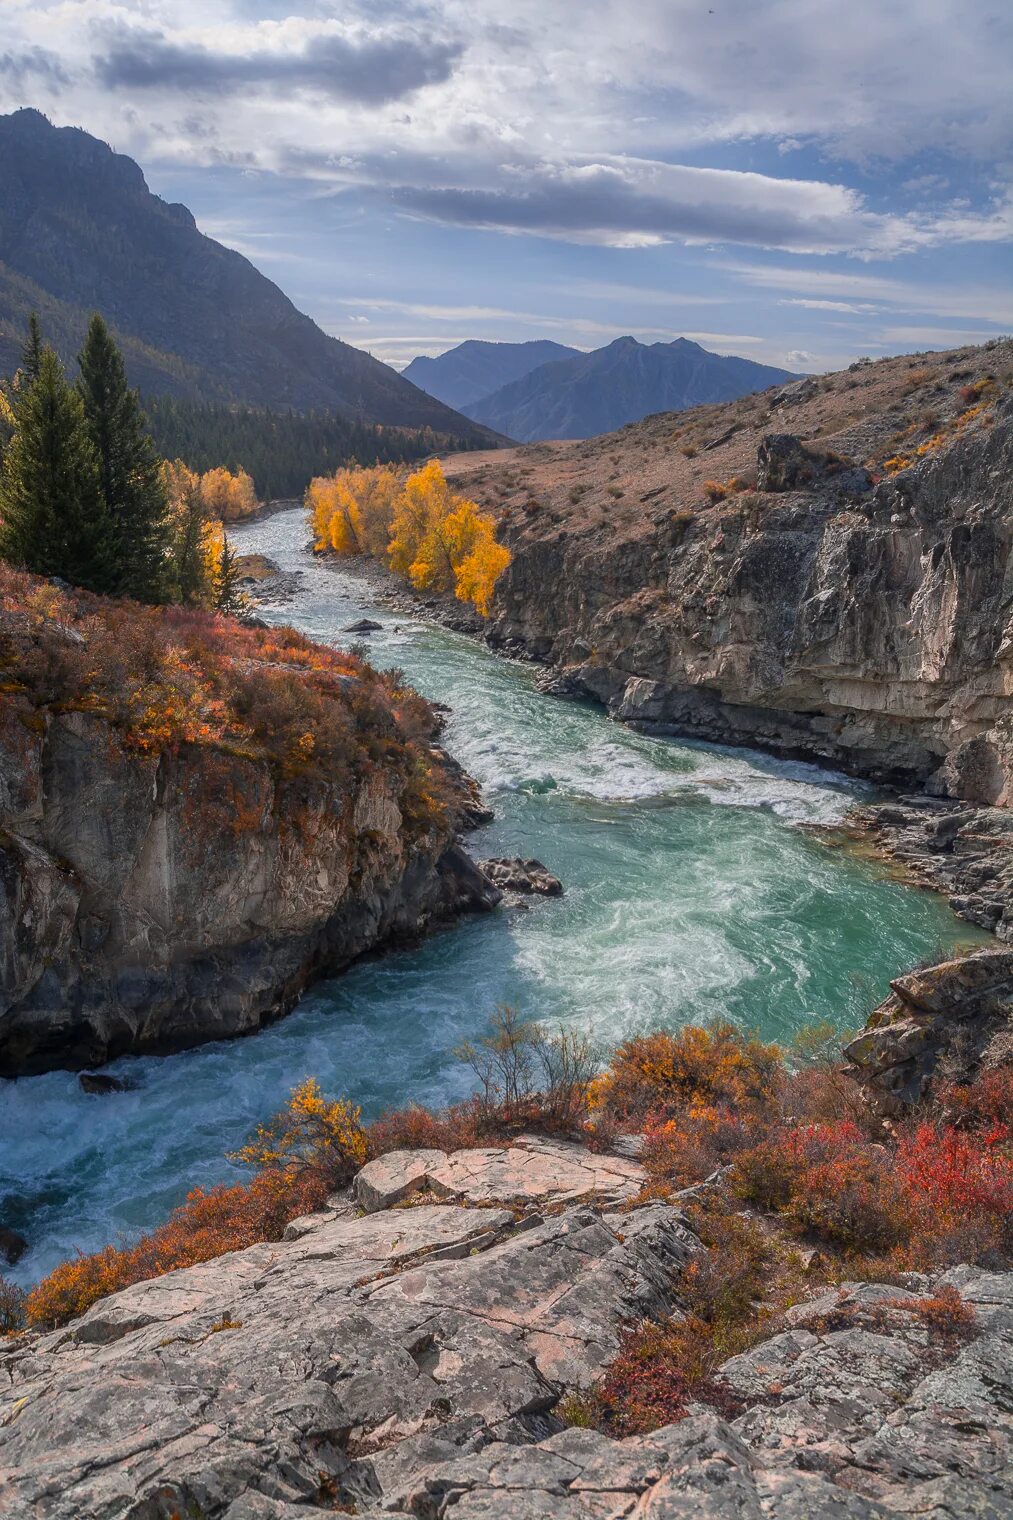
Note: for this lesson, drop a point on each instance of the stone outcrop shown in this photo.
(526, 877)
(947, 1019)
(152, 901)
(963, 851)
(822, 616)
(413, 1361)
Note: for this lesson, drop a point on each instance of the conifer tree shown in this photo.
(31, 352)
(129, 468)
(52, 515)
(228, 597)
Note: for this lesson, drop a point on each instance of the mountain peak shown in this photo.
(195, 319)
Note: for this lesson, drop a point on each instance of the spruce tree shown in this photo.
(129, 468)
(228, 597)
(52, 516)
(31, 352)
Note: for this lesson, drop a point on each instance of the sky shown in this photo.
(798, 181)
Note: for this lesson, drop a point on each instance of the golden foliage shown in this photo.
(311, 1131)
(228, 497)
(435, 539)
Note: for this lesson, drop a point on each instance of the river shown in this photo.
(690, 891)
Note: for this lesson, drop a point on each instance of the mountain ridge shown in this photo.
(80, 231)
(474, 369)
(623, 382)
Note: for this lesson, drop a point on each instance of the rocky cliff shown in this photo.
(822, 571)
(407, 1352)
(196, 821)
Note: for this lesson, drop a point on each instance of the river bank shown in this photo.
(691, 892)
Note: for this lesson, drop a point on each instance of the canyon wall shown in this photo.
(859, 622)
(189, 837)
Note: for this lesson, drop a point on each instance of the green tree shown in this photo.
(31, 352)
(228, 597)
(53, 519)
(129, 469)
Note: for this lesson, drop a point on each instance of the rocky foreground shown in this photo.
(407, 1352)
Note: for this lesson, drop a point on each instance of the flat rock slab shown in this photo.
(532, 1171)
(292, 1373)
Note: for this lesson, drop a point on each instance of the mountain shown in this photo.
(601, 391)
(465, 374)
(80, 231)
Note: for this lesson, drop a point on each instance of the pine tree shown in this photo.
(52, 515)
(228, 597)
(129, 468)
(31, 352)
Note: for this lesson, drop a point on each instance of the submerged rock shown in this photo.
(13, 1245)
(511, 874)
(97, 1082)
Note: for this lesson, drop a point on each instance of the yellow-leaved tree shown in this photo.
(228, 497)
(351, 510)
(425, 532)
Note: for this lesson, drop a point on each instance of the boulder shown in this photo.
(527, 877)
(364, 625)
(390, 1178)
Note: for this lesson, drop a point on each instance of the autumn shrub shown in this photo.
(960, 1187)
(311, 1146)
(311, 1133)
(666, 1073)
(827, 1181)
(663, 1367)
(715, 491)
(12, 1306)
(687, 1149)
(206, 1225)
(456, 1128)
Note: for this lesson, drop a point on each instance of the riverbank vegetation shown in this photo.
(85, 498)
(422, 530)
(167, 676)
(797, 1183)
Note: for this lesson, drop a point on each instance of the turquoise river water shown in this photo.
(690, 891)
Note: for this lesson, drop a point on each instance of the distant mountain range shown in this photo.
(588, 394)
(81, 232)
(473, 370)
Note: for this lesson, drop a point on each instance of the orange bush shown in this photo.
(960, 1186)
(666, 1073)
(209, 1223)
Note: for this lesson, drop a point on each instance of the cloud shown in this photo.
(367, 69)
(36, 64)
(855, 308)
(626, 203)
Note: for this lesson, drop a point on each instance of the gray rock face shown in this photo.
(411, 1361)
(365, 1345)
(865, 628)
(154, 901)
(952, 1011)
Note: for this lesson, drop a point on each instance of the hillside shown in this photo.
(818, 570)
(80, 231)
(473, 370)
(598, 392)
